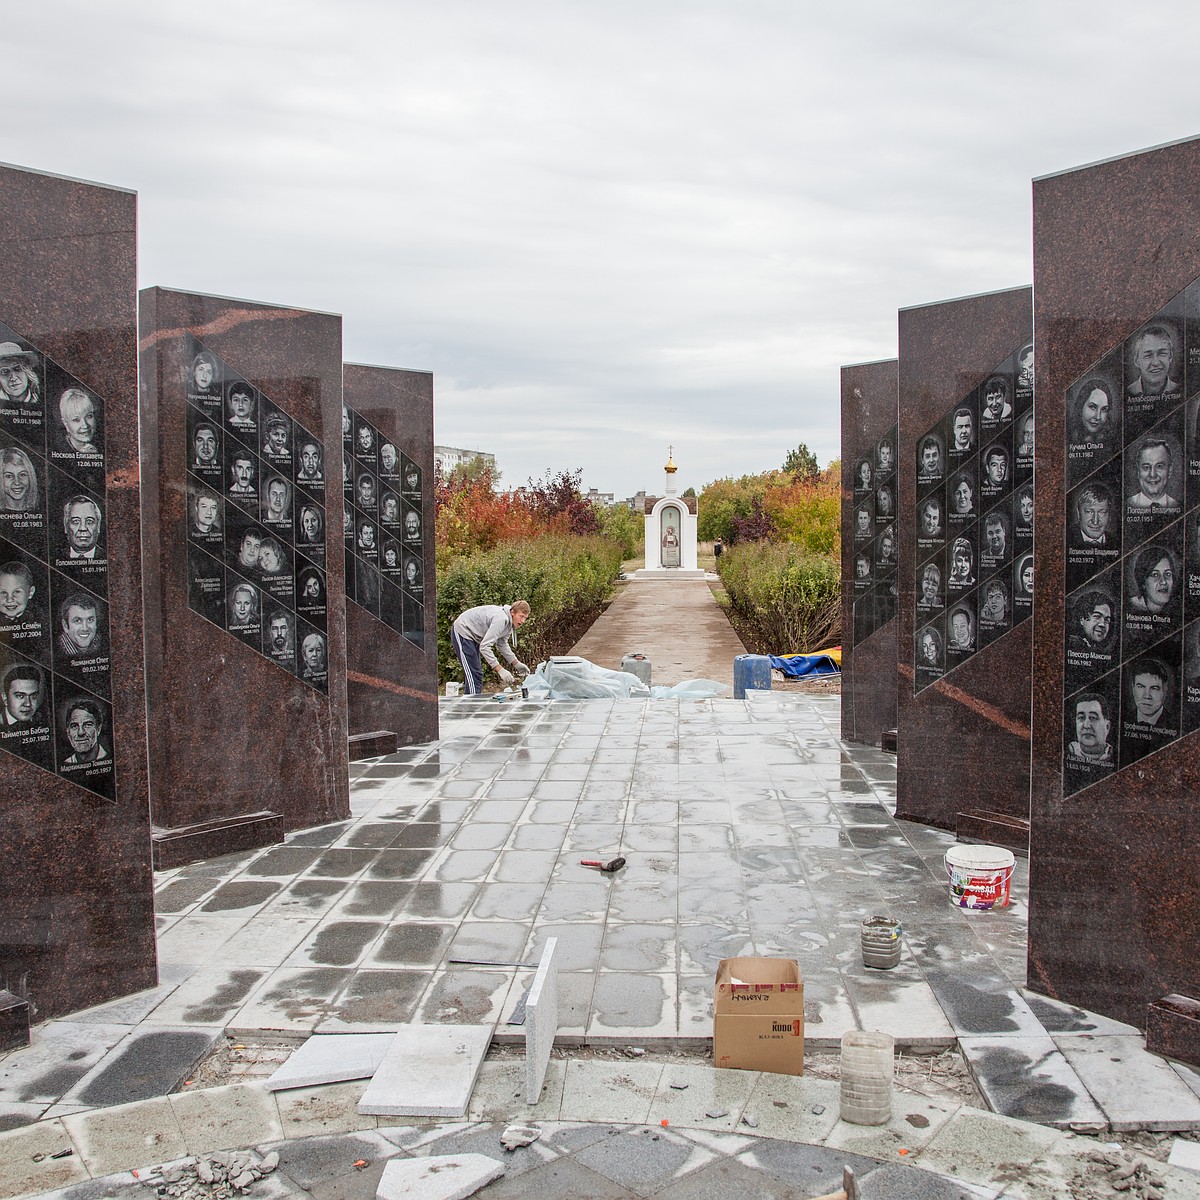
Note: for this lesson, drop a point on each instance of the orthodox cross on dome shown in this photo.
(671, 468)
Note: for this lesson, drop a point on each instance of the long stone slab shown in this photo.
(429, 1071)
(541, 1022)
(332, 1058)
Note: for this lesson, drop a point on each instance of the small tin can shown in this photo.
(881, 943)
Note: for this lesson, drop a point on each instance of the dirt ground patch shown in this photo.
(941, 1075)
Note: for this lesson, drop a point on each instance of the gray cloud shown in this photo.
(603, 227)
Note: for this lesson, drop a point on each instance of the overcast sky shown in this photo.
(604, 226)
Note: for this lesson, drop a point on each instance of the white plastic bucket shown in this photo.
(453, 688)
(980, 876)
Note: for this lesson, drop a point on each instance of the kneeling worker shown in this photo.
(477, 631)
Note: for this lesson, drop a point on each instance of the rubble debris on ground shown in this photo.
(217, 1176)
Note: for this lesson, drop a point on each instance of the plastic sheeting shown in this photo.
(806, 666)
(573, 678)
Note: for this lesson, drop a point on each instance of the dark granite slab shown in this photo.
(77, 917)
(234, 734)
(1173, 1028)
(1114, 889)
(868, 662)
(392, 681)
(14, 1021)
(977, 713)
(207, 839)
(994, 829)
(375, 744)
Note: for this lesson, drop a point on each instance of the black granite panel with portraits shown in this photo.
(382, 528)
(876, 548)
(974, 521)
(1131, 675)
(255, 518)
(54, 613)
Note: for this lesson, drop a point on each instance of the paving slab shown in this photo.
(150, 1062)
(59, 1055)
(210, 995)
(687, 1094)
(429, 1071)
(448, 1177)
(500, 1091)
(227, 1118)
(27, 1162)
(1030, 1079)
(985, 1149)
(332, 1058)
(331, 1108)
(604, 1091)
(914, 1123)
(318, 1163)
(645, 1160)
(793, 1107)
(1135, 1089)
(126, 1136)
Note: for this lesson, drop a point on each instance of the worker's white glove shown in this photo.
(506, 677)
(521, 667)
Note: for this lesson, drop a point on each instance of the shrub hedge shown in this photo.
(564, 578)
(782, 600)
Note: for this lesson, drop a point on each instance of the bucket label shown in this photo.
(970, 889)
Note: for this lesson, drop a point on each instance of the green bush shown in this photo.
(619, 523)
(781, 599)
(564, 578)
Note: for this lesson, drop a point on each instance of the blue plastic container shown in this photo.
(751, 671)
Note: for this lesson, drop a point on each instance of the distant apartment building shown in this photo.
(446, 458)
(604, 499)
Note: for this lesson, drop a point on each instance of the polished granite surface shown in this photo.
(748, 828)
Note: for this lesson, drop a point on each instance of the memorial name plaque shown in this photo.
(255, 519)
(1132, 564)
(54, 613)
(974, 537)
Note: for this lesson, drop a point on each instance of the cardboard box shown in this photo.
(758, 1015)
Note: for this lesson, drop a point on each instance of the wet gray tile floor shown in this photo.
(748, 827)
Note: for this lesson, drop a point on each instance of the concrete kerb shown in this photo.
(141, 1136)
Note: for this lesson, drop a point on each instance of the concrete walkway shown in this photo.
(676, 624)
(748, 826)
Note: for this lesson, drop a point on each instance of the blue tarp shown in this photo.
(800, 666)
